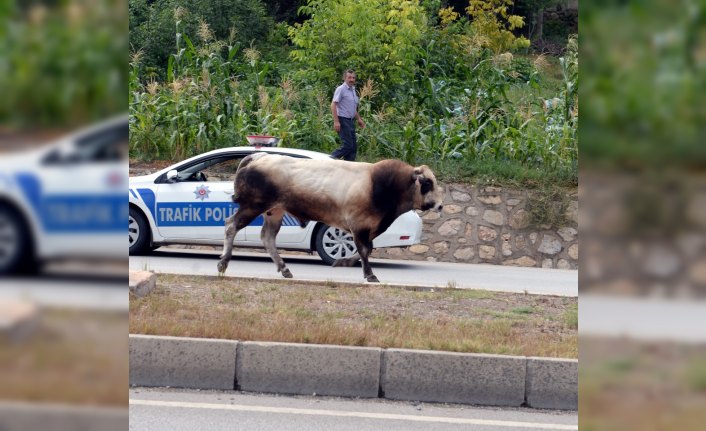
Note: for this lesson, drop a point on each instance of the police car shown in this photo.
(65, 199)
(187, 203)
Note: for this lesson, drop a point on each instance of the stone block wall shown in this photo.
(491, 225)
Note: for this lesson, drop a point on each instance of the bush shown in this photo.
(51, 59)
(152, 25)
(377, 38)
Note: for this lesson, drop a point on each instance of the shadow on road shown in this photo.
(255, 257)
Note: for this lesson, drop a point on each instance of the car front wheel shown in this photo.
(333, 243)
(16, 254)
(138, 232)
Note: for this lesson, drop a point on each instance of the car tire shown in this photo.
(333, 243)
(16, 251)
(138, 233)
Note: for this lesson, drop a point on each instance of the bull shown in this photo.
(361, 198)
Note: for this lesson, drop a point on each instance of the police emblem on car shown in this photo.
(202, 192)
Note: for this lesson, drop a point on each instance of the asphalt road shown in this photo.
(646, 319)
(81, 285)
(177, 410)
(442, 274)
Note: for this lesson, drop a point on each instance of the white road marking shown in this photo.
(339, 413)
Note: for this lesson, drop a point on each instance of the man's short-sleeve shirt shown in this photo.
(347, 100)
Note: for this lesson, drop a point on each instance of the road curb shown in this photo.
(421, 375)
(552, 383)
(400, 374)
(196, 363)
(308, 368)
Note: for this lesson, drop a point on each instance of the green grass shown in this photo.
(504, 173)
(571, 317)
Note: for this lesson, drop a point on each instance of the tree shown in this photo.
(535, 10)
(493, 26)
(378, 38)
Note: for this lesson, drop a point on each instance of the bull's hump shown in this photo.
(391, 183)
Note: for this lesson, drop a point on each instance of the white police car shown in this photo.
(65, 199)
(187, 203)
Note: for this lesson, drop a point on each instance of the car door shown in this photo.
(291, 234)
(78, 193)
(196, 204)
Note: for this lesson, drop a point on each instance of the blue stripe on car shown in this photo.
(202, 214)
(149, 198)
(74, 213)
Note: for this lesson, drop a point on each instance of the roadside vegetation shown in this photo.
(72, 357)
(627, 384)
(461, 92)
(455, 320)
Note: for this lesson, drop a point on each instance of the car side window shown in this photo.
(216, 169)
(223, 170)
(101, 146)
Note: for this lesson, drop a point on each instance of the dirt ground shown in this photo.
(74, 357)
(624, 384)
(363, 315)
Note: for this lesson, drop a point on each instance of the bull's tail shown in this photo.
(243, 163)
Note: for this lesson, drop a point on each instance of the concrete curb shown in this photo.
(552, 383)
(324, 370)
(182, 362)
(454, 377)
(399, 374)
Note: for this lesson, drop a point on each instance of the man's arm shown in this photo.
(334, 111)
(361, 124)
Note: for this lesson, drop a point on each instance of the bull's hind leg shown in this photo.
(233, 225)
(365, 247)
(273, 221)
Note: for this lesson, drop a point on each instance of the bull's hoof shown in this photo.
(222, 266)
(373, 279)
(286, 273)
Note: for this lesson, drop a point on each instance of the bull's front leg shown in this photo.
(365, 247)
(227, 244)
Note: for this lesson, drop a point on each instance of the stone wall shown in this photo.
(492, 225)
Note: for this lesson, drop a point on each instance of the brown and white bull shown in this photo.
(361, 198)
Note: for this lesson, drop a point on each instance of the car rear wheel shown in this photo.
(138, 232)
(16, 254)
(333, 243)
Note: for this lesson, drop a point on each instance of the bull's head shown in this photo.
(431, 195)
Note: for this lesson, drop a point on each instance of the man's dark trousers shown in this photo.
(350, 147)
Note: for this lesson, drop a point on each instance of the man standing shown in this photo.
(344, 108)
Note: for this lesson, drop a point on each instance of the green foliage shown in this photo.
(492, 27)
(152, 25)
(467, 113)
(644, 67)
(378, 38)
(547, 207)
(62, 65)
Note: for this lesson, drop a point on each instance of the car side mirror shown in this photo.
(172, 176)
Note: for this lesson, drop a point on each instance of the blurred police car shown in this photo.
(66, 199)
(187, 203)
